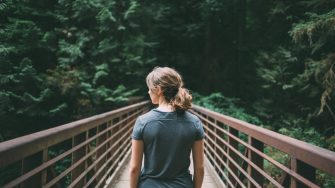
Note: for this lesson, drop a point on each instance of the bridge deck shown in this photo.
(123, 180)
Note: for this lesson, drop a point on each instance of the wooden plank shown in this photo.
(213, 179)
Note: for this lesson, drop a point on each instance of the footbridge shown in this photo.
(94, 152)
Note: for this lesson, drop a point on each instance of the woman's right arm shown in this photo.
(198, 163)
(135, 162)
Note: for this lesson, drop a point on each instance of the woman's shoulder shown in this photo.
(148, 116)
(191, 117)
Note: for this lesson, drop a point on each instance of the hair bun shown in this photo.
(183, 100)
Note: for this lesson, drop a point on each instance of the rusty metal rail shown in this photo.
(241, 155)
(88, 152)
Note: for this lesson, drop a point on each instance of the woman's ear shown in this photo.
(158, 90)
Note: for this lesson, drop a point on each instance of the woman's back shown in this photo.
(165, 136)
(168, 138)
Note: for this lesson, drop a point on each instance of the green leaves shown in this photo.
(107, 45)
(69, 53)
(105, 16)
(6, 50)
(120, 94)
(101, 71)
(22, 31)
(309, 134)
(131, 9)
(276, 69)
(3, 6)
(318, 25)
(319, 31)
(225, 105)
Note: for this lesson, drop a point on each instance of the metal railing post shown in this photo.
(233, 155)
(114, 139)
(76, 156)
(102, 150)
(257, 160)
(44, 172)
(304, 170)
(214, 145)
(28, 164)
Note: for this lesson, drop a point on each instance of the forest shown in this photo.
(270, 63)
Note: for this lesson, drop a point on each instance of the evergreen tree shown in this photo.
(65, 60)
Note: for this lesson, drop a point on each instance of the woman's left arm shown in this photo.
(135, 162)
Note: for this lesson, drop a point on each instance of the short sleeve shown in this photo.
(137, 130)
(200, 133)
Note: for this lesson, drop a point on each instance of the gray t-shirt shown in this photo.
(168, 138)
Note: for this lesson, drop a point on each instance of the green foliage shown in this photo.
(320, 25)
(320, 28)
(286, 95)
(290, 103)
(65, 60)
(309, 134)
(325, 179)
(61, 166)
(280, 157)
(225, 105)
(274, 69)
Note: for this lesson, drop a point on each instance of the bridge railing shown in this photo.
(244, 155)
(84, 153)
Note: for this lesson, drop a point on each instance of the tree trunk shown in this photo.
(241, 48)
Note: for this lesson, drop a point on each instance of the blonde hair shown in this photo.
(171, 84)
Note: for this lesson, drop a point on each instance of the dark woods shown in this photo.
(268, 62)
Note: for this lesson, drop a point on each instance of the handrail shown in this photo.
(223, 142)
(95, 147)
(29, 144)
(96, 142)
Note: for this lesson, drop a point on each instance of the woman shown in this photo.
(166, 135)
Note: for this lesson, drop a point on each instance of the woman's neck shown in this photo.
(165, 107)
